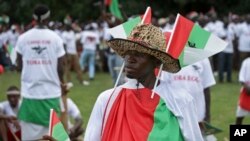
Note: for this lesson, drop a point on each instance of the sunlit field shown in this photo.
(223, 104)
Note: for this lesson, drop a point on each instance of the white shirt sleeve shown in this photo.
(59, 48)
(73, 110)
(19, 45)
(207, 74)
(242, 72)
(94, 127)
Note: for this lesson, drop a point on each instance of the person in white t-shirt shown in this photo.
(243, 108)
(196, 79)
(75, 128)
(9, 125)
(72, 58)
(40, 58)
(89, 40)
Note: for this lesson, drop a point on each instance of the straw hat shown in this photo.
(146, 38)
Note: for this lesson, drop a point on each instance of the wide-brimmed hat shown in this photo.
(146, 38)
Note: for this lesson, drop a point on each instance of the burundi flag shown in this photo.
(114, 8)
(123, 30)
(190, 43)
(12, 53)
(56, 129)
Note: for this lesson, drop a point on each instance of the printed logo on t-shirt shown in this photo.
(39, 49)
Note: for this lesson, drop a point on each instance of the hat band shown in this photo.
(42, 17)
(13, 92)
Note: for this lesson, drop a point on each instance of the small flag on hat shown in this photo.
(56, 129)
(123, 30)
(190, 43)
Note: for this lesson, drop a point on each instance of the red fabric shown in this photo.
(167, 36)
(131, 117)
(148, 17)
(107, 2)
(244, 100)
(11, 137)
(180, 36)
(53, 121)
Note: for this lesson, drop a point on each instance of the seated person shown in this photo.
(10, 128)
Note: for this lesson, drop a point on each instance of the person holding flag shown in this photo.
(128, 112)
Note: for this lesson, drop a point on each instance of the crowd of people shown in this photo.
(54, 49)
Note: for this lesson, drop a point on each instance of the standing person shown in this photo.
(128, 112)
(72, 59)
(244, 99)
(196, 79)
(10, 127)
(90, 41)
(40, 58)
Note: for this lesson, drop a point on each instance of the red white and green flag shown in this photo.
(114, 8)
(56, 128)
(123, 30)
(190, 43)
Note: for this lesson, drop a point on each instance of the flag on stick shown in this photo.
(56, 129)
(123, 30)
(114, 8)
(190, 43)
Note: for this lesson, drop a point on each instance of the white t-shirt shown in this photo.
(89, 40)
(73, 111)
(194, 79)
(9, 111)
(70, 41)
(40, 50)
(244, 75)
(178, 102)
(243, 32)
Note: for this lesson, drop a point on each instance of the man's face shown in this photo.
(13, 100)
(138, 65)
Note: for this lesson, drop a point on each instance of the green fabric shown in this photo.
(114, 9)
(129, 25)
(38, 111)
(166, 126)
(59, 132)
(200, 34)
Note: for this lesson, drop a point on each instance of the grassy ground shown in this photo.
(223, 105)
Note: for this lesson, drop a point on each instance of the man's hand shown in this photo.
(247, 88)
(47, 137)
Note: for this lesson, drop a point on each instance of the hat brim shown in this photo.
(121, 46)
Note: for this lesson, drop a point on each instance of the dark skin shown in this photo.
(140, 66)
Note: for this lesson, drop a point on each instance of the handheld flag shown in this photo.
(56, 129)
(123, 30)
(190, 43)
(114, 8)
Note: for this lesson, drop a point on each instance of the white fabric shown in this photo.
(90, 39)
(177, 101)
(35, 131)
(194, 79)
(40, 50)
(242, 112)
(229, 39)
(243, 32)
(215, 28)
(244, 75)
(73, 111)
(7, 110)
(69, 41)
(12, 37)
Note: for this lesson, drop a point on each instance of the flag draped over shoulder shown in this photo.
(123, 30)
(190, 43)
(56, 129)
(114, 8)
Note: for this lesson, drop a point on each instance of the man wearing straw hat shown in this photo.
(131, 112)
(10, 128)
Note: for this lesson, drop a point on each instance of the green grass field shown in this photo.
(223, 103)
